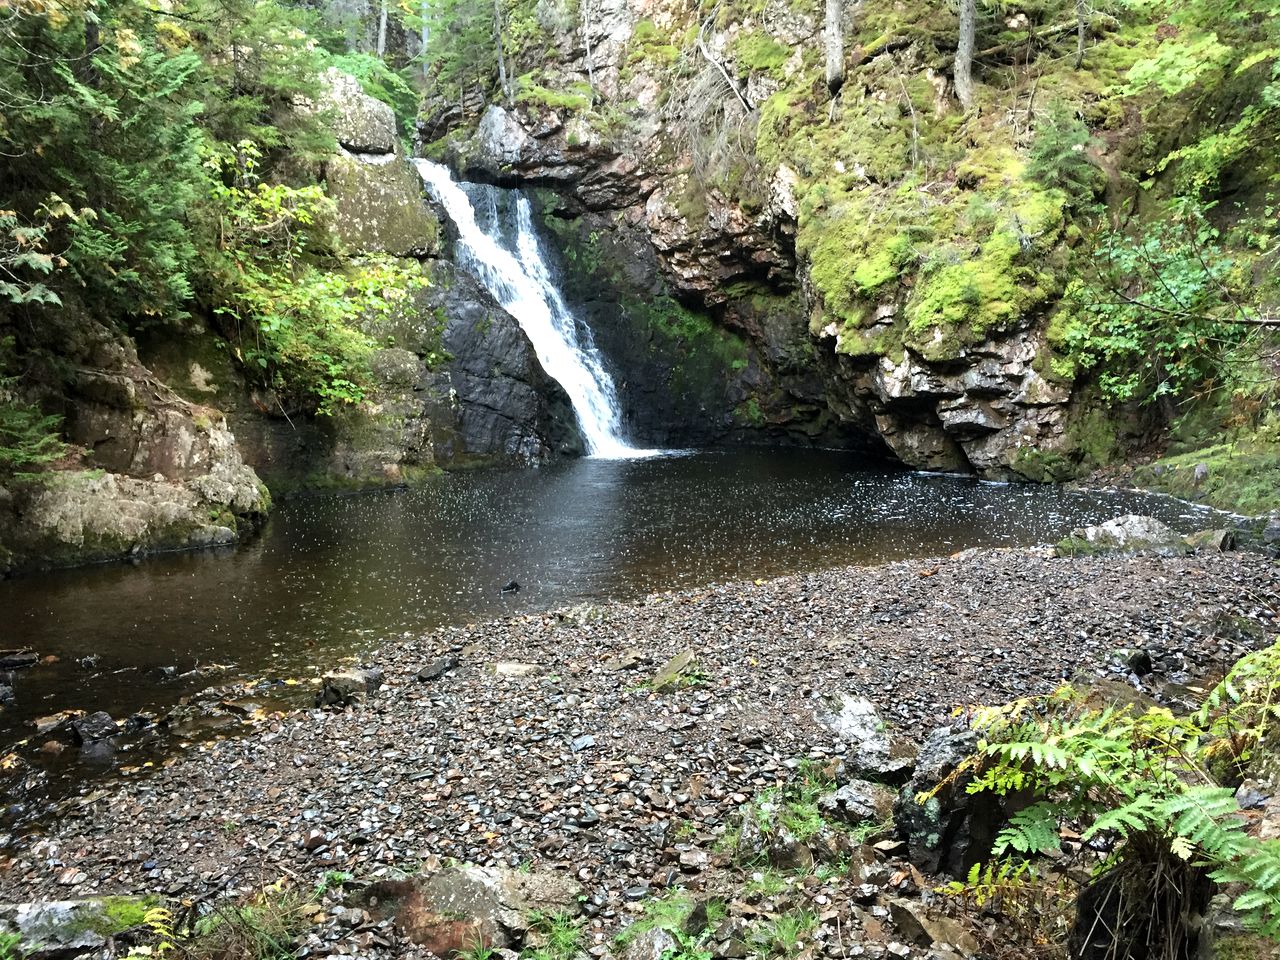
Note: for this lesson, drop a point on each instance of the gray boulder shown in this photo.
(872, 751)
(1127, 534)
(361, 123)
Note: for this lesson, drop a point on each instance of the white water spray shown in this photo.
(520, 280)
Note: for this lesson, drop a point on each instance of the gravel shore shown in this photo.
(571, 762)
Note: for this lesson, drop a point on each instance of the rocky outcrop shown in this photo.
(456, 382)
(377, 194)
(149, 470)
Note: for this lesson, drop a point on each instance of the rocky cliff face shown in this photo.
(158, 472)
(887, 279)
(171, 446)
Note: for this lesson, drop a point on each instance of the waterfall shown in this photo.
(504, 254)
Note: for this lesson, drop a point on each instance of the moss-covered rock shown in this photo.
(380, 207)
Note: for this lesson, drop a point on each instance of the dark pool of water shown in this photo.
(333, 575)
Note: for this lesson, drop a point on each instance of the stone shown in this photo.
(653, 944)
(1212, 540)
(952, 830)
(673, 670)
(63, 928)
(18, 659)
(514, 669)
(94, 727)
(1271, 532)
(345, 687)
(1137, 662)
(916, 924)
(56, 721)
(871, 750)
(858, 802)
(1130, 533)
(494, 903)
(627, 660)
(787, 852)
(439, 667)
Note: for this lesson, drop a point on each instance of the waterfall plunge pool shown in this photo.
(333, 576)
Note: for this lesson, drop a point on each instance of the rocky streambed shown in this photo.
(548, 742)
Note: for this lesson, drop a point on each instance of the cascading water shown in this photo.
(515, 272)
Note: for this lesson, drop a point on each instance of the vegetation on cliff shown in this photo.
(163, 163)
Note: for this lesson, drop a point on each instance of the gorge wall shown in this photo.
(171, 446)
(880, 263)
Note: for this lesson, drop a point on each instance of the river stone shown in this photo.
(654, 944)
(94, 727)
(344, 687)
(673, 670)
(493, 903)
(439, 667)
(915, 923)
(871, 751)
(18, 659)
(1219, 540)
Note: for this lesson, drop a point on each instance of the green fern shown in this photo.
(1138, 786)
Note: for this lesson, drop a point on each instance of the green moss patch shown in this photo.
(1243, 476)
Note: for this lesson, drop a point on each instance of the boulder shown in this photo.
(1219, 541)
(379, 205)
(360, 123)
(952, 830)
(70, 928)
(345, 687)
(470, 904)
(1127, 534)
(871, 750)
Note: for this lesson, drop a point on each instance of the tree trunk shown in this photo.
(426, 33)
(502, 59)
(963, 72)
(382, 29)
(1082, 25)
(833, 40)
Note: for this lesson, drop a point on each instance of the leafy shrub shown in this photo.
(293, 316)
(1158, 314)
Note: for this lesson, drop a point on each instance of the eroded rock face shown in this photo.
(157, 472)
(943, 404)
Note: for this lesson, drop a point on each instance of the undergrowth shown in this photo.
(1148, 802)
